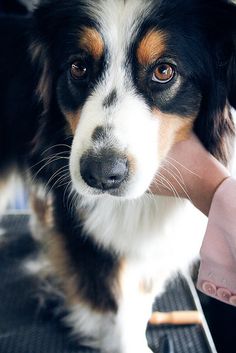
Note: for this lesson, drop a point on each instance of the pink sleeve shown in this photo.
(217, 273)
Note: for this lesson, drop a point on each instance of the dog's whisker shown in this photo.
(55, 146)
(65, 193)
(182, 186)
(47, 162)
(166, 181)
(172, 173)
(61, 173)
(68, 195)
(52, 160)
(49, 158)
(55, 174)
(183, 166)
(69, 137)
(67, 178)
(60, 182)
(175, 168)
(73, 202)
(61, 179)
(56, 183)
(160, 185)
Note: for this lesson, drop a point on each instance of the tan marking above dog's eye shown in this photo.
(78, 70)
(163, 73)
(91, 42)
(151, 47)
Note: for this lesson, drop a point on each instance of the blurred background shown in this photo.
(18, 195)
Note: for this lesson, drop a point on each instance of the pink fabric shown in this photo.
(217, 273)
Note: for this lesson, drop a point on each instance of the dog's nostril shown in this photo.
(114, 177)
(105, 172)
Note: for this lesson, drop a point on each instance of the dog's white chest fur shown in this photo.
(161, 234)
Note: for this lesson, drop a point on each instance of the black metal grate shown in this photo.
(184, 339)
(26, 329)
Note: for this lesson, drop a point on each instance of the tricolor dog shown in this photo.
(93, 96)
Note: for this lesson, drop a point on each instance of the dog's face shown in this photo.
(130, 79)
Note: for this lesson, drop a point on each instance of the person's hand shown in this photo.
(189, 171)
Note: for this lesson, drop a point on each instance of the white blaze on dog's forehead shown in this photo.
(118, 23)
(118, 19)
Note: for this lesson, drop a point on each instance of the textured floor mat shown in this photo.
(27, 328)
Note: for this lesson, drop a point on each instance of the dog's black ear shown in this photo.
(41, 62)
(229, 29)
(53, 21)
(232, 74)
(42, 40)
(215, 126)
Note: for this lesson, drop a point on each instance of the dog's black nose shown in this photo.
(104, 172)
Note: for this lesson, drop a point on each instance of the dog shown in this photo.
(93, 96)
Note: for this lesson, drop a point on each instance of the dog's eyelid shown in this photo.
(163, 60)
(79, 56)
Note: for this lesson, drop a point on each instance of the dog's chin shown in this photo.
(125, 192)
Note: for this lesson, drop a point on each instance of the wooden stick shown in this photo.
(176, 318)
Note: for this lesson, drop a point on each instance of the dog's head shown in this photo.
(129, 78)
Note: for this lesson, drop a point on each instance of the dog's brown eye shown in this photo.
(163, 73)
(78, 70)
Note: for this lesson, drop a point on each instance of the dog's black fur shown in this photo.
(33, 64)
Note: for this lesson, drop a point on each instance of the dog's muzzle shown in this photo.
(104, 171)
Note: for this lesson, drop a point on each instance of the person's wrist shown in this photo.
(203, 199)
(210, 175)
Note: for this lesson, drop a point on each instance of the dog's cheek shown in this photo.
(70, 100)
(172, 129)
(72, 119)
